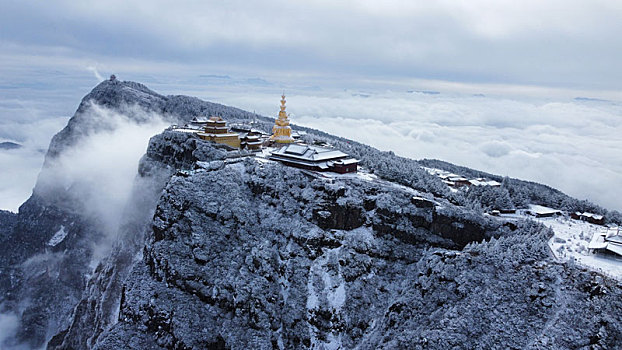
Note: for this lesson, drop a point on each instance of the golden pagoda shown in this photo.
(281, 131)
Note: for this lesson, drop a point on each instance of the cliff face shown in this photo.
(215, 251)
(252, 253)
(99, 306)
(48, 247)
(247, 254)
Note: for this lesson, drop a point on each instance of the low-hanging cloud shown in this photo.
(20, 167)
(103, 165)
(8, 325)
(571, 146)
(98, 172)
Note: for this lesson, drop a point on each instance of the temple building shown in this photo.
(589, 217)
(281, 131)
(315, 158)
(216, 130)
(252, 141)
(607, 241)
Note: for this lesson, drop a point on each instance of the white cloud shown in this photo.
(570, 145)
(548, 43)
(8, 326)
(104, 164)
(17, 178)
(101, 169)
(496, 149)
(20, 167)
(95, 72)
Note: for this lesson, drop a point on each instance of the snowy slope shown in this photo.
(570, 242)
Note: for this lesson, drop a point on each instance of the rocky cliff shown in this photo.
(217, 251)
(48, 248)
(246, 254)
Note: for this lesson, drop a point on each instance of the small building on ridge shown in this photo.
(589, 217)
(540, 211)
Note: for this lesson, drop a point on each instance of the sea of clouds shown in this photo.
(570, 144)
(573, 145)
(20, 167)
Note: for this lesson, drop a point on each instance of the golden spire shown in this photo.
(282, 114)
(281, 132)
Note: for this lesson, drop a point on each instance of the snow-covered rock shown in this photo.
(222, 255)
(58, 237)
(243, 256)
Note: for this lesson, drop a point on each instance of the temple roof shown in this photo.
(309, 153)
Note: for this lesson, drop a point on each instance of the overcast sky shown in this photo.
(556, 43)
(507, 73)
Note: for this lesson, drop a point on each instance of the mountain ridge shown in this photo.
(355, 245)
(53, 207)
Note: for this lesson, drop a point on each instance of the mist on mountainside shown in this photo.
(101, 167)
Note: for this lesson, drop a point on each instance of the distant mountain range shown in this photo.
(7, 145)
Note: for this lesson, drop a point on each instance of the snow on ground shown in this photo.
(361, 173)
(58, 237)
(326, 288)
(571, 240)
(534, 208)
(284, 286)
(265, 153)
(365, 175)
